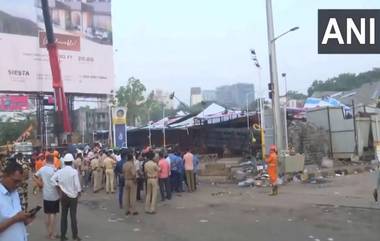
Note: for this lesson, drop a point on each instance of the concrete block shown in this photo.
(294, 163)
(216, 172)
(215, 166)
(327, 163)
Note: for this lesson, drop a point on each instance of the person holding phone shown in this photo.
(12, 218)
(50, 195)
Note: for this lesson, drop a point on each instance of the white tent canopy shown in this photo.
(212, 111)
(166, 121)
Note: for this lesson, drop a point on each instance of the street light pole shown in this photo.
(262, 116)
(290, 30)
(247, 114)
(46, 131)
(285, 113)
(247, 95)
(278, 132)
(110, 104)
(163, 129)
(149, 126)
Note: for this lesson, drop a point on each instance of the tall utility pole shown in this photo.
(261, 104)
(163, 128)
(111, 102)
(278, 130)
(285, 112)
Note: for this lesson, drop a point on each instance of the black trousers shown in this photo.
(195, 181)
(175, 181)
(140, 187)
(165, 188)
(69, 204)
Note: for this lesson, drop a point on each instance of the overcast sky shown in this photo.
(176, 44)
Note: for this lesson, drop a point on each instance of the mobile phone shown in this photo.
(35, 210)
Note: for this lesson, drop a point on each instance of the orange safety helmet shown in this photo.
(273, 148)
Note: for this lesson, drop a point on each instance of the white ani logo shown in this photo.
(333, 31)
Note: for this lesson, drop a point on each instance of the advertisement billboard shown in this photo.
(120, 136)
(13, 103)
(119, 116)
(83, 33)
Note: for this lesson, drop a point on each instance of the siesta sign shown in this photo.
(348, 31)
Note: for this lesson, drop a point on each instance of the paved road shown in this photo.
(340, 209)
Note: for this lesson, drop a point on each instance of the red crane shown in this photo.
(59, 94)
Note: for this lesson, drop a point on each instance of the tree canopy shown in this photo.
(131, 96)
(140, 110)
(11, 130)
(295, 95)
(345, 81)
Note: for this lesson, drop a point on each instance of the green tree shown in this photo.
(153, 109)
(345, 81)
(295, 95)
(11, 130)
(132, 97)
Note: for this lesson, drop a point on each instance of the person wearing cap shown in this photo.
(151, 170)
(272, 169)
(129, 172)
(109, 165)
(78, 165)
(67, 182)
(96, 172)
(102, 156)
(86, 167)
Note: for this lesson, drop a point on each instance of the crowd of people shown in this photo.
(60, 178)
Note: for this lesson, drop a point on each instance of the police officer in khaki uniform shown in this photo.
(129, 172)
(151, 170)
(23, 188)
(102, 156)
(109, 165)
(96, 171)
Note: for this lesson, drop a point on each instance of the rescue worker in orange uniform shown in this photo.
(57, 161)
(40, 162)
(272, 162)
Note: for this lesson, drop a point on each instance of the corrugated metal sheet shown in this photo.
(341, 131)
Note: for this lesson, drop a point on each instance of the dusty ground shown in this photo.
(340, 209)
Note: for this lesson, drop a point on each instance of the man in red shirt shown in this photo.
(163, 180)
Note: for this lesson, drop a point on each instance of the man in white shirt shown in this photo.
(67, 180)
(49, 193)
(12, 218)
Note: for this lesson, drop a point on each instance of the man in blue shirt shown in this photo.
(181, 170)
(177, 172)
(119, 175)
(12, 218)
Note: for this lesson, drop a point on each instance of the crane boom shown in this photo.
(59, 94)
